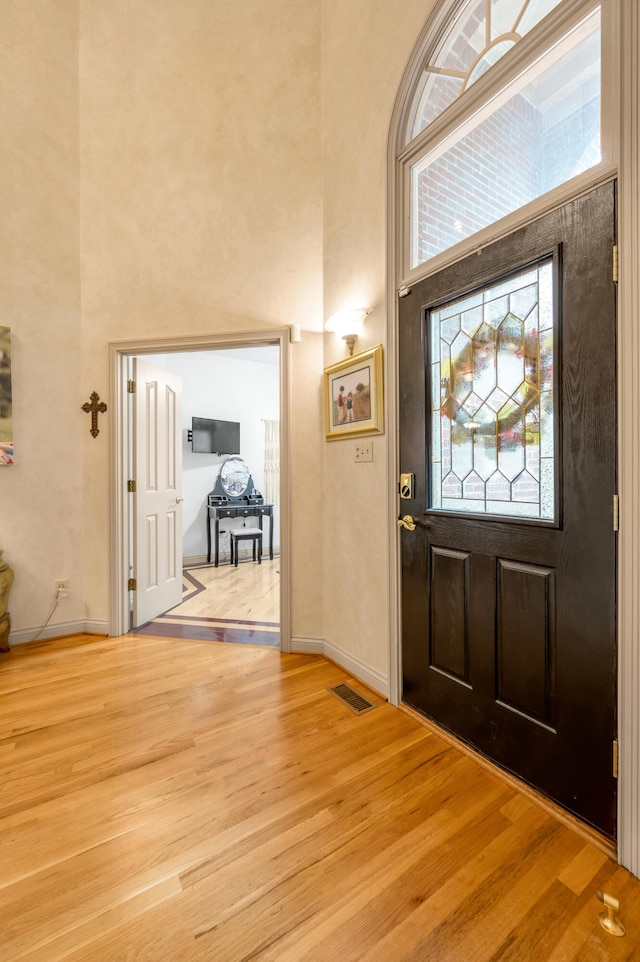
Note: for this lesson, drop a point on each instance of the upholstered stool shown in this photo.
(246, 534)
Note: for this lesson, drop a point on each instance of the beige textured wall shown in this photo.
(41, 495)
(201, 205)
(365, 49)
(307, 433)
(161, 175)
(225, 166)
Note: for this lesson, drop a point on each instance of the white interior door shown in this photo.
(157, 529)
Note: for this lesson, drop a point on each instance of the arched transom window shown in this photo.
(475, 39)
(506, 109)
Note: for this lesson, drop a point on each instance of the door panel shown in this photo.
(157, 543)
(449, 628)
(526, 640)
(508, 421)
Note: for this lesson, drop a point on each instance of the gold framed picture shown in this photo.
(353, 396)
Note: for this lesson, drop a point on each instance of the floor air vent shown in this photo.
(356, 702)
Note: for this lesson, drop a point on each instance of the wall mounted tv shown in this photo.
(214, 437)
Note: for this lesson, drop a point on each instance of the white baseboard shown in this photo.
(190, 561)
(355, 667)
(92, 627)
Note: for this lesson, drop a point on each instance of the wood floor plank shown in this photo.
(168, 800)
(582, 869)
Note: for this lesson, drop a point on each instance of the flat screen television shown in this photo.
(209, 436)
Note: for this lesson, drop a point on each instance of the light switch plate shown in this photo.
(364, 451)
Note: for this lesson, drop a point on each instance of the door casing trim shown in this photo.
(119, 512)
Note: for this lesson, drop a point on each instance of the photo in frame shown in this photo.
(6, 419)
(353, 396)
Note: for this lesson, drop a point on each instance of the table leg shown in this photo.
(217, 541)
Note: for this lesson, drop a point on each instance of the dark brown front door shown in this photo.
(508, 423)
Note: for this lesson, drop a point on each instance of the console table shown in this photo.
(217, 512)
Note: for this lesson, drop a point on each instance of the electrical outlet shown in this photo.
(364, 451)
(62, 588)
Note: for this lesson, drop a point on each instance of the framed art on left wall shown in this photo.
(6, 420)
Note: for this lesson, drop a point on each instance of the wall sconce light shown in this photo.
(348, 324)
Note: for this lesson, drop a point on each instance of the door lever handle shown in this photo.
(407, 522)
(411, 523)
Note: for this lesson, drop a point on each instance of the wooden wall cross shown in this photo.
(93, 406)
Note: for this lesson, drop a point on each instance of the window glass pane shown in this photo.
(489, 57)
(540, 132)
(437, 93)
(479, 35)
(492, 402)
(466, 41)
(534, 11)
(502, 17)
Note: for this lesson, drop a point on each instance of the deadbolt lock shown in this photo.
(407, 486)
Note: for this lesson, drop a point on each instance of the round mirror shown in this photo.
(234, 477)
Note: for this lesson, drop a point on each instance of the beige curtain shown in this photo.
(272, 462)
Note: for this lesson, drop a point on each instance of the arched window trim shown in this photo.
(533, 46)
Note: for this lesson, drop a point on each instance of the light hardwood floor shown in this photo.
(250, 592)
(170, 801)
(235, 605)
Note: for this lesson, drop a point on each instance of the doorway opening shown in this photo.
(229, 435)
(247, 602)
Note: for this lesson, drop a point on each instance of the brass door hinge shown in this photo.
(131, 387)
(132, 584)
(616, 512)
(615, 263)
(131, 487)
(615, 758)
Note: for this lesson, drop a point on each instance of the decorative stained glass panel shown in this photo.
(492, 399)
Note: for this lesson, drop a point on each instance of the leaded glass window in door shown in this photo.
(492, 399)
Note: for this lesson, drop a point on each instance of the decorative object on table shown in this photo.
(6, 580)
(353, 397)
(236, 480)
(6, 420)
(94, 406)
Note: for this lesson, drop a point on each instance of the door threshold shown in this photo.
(587, 832)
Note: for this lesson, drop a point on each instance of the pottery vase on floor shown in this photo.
(6, 580)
